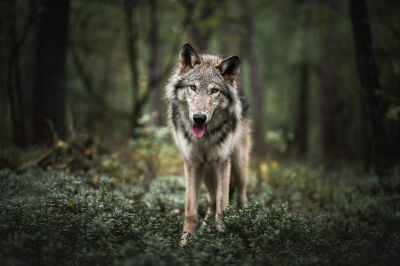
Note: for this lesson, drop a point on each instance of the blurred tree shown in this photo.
(248, 51)
(199, 28)
(89, 87)
(139, 100)
(385, 23)
(301, 123)
(328, 85)
(377, 156)
(19, 32)
(28, 65)
(132, 38)
(49, 87)
(131, 29)
(98, 70)
(155, 61)
(13, 71)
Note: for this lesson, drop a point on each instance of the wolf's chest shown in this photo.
(208, 155)
(204, 153)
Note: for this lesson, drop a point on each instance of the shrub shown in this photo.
(50, 217)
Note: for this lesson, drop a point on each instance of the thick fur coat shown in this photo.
(209, 122)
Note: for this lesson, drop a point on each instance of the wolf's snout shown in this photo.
(199, 119)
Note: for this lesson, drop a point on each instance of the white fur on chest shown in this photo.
(203, 152)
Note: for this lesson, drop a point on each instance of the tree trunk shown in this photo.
(28, 70)
(131, 46)
(301, 125)
(131, 27)
(198, 29)
(155, 63)
(19, 81)
(328, 96)
(12, 69)
(328, 89)
(257, 91)
(49, 88)
(200, 32)
(377, 156)
(4, 51)
(301, 129)
(248, 51)
(243, 45)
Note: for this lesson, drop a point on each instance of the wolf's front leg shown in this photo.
(223, 174)
(193, 182)
(239, 170)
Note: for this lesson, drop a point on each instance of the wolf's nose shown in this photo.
(199, 119)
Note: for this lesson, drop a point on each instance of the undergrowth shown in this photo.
(297, 215)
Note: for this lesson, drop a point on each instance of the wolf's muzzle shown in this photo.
(199, 119)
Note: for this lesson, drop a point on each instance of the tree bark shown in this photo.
(378, 152)
(49, 88)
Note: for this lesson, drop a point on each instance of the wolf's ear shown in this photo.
(229, 68)
(188, 58)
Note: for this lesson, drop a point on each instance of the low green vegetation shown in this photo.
(298, 214)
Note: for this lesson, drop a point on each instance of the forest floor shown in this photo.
(54, 213)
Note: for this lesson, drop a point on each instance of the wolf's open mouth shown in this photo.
(198, 130)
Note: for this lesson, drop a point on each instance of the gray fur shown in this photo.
(205, 84)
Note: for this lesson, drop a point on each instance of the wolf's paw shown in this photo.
(220, 228)
(219, 224)
(185, 237)
(183, 242)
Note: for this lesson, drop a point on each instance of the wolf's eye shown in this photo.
(214, 90)
(192, 87)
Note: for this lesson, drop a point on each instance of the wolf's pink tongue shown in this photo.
(198, 131)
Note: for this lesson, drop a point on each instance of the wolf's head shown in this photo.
(204, 84)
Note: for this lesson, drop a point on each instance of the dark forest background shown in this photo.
(89, 173)
(322, 76)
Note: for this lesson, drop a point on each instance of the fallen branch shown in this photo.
(37, 160)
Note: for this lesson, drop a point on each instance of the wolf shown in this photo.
(208, 116)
